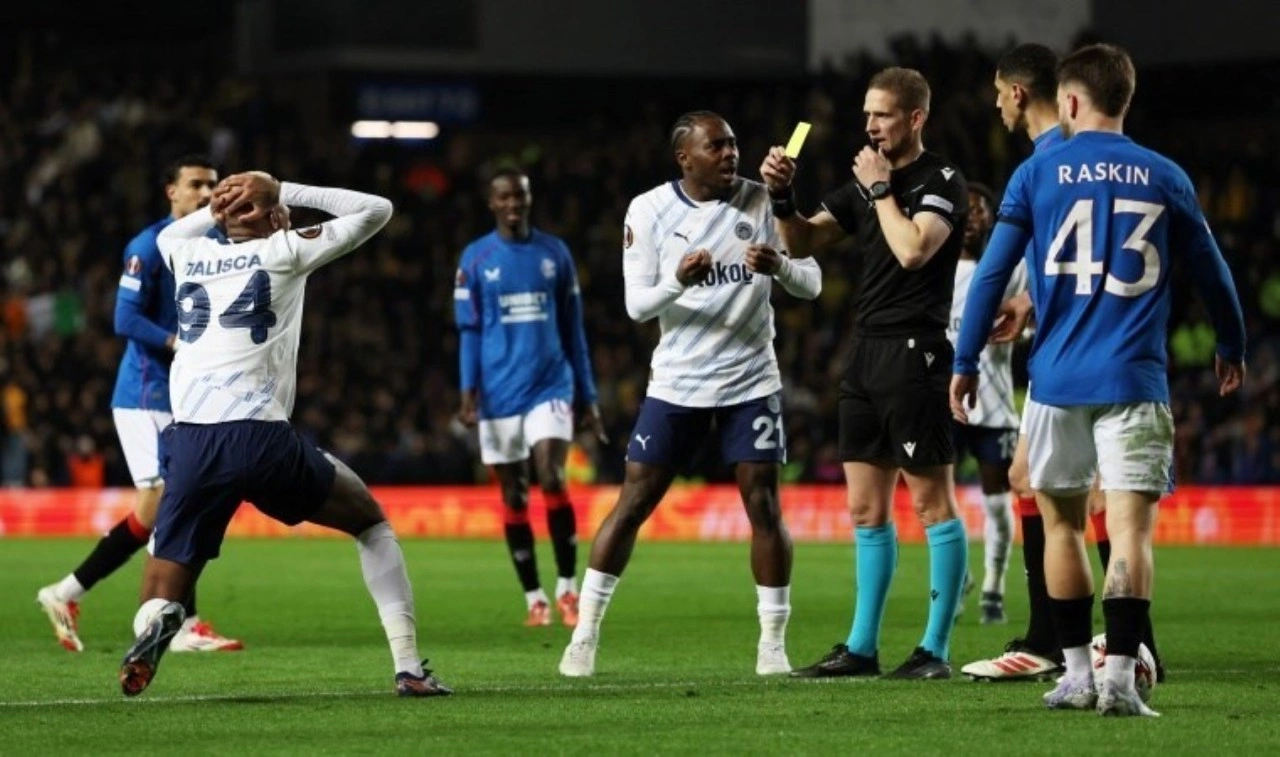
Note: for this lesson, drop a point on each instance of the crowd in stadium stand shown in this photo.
(81, 152)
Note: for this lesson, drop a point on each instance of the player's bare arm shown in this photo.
(591, 420)
(964, 395)
(469, 414)
(1012, 318)
(913, 241)
(802, 236)
(1230, 375)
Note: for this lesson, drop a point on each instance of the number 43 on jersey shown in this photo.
(1079, 226)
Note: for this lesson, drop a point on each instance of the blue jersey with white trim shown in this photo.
(519, 309)
(1106, 218)
(146, 316)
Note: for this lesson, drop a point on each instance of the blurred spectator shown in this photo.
(81, 145)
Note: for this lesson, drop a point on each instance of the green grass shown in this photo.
(674, 670)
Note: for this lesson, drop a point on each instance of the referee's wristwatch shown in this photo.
(880, 190)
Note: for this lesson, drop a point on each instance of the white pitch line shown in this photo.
(282, 696)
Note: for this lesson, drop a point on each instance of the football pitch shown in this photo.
(674, 672)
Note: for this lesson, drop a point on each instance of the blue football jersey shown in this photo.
(146, 316)
(1105, 218)
(519, 309)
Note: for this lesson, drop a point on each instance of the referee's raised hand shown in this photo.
(777, 170)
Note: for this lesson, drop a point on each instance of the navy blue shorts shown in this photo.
(990, 446)
(210, 469)
(669, 435)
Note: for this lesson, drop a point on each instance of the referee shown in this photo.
(906, 209)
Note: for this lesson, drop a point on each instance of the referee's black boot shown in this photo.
(840, 662)
(922, 665)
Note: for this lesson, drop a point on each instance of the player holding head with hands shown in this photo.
(905, 207)
(145, 316)
(233, 384)
(700, 255)
(1106, 219)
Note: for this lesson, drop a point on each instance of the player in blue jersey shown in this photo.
(1106, 219)
(146, 317)
(525, 374)
(1026, 95)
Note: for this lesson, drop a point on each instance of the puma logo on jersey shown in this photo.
(222, 265)
(928, 359)
(678, 234)
(492, 274)
(947, 173)
(910, 447)
(644, 441)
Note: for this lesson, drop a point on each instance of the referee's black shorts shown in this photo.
(894, 406)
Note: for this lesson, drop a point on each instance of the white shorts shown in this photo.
(509, 440)
(139, 432)
(1130, 447)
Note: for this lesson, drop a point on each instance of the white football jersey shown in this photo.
(995, 408)
(716, 346)
(240, 304)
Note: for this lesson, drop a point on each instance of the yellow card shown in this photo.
(797, 140)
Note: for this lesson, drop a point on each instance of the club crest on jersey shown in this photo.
(548, 268)
(222, 265)
(628, 238)
(460, 278)
(742, 230)
(310, 232)
(133, 266)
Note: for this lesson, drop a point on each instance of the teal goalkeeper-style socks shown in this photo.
(875, 559)
(948, 558)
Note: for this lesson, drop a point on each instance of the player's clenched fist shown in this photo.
(777, 170)
(694, 267)
(763, 259)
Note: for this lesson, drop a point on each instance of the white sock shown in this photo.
(997, 540)
(1079, 661)
(532, 598)
(1120, 671)
(382, 562)
(597, 590)
(69, 589)
(773, 606)
(146, 614)
(566, 586)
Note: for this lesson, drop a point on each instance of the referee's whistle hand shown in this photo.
(964, 394)
(777, 170)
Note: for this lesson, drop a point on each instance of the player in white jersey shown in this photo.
(992, 433)
(700, 254)
(232, 388)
